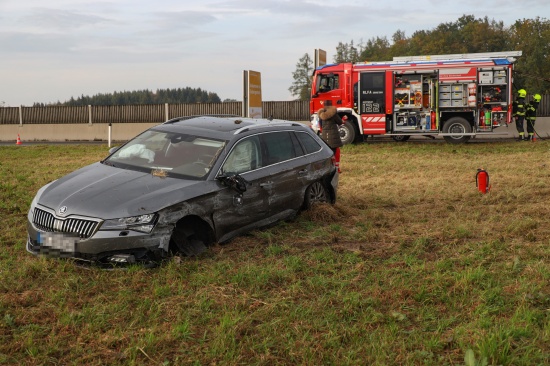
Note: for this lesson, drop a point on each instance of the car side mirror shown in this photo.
(113, 149)
(235, 181)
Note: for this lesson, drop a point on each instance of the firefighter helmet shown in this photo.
(522, 93)
(537, 98)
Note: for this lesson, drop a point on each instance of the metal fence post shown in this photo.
(89, 114)
(166, 111)
(20, 116)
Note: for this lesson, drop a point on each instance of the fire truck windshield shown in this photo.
(326, 82)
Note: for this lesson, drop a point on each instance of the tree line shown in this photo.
(160, 96)
(465, 35)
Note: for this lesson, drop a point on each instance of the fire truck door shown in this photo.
(329, 90)
(372, 102)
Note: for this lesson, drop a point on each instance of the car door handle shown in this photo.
(302, 173)
(266, 185)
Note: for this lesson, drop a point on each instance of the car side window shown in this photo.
(308, 142)
(278, 147)
(244, 157)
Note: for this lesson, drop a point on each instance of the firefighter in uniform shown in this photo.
(531, 115)
(519, 112)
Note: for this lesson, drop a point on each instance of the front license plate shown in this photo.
(57, 244)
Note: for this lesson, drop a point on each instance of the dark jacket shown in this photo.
(519, 107)
(531, 110)
(329, 130)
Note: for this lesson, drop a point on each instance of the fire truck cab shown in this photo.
(455, 96)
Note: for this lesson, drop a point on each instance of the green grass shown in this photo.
(411, 266)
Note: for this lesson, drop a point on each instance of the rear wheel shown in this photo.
(457, 125)
(315, 193)
(400, 138)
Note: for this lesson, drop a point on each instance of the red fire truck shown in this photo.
(455, 96)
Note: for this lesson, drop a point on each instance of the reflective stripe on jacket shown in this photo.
(519, 107)
(531, 111)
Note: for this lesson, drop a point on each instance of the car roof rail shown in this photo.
(269, 123)
(183, 118)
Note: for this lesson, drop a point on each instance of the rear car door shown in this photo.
(283, 159)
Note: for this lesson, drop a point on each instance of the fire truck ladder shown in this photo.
(461, 56)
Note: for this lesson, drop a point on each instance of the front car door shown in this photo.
(236, 212)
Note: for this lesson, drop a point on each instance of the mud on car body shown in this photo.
(180, 187)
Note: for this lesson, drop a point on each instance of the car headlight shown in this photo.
(141, 223)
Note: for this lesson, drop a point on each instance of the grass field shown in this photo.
(412, 266)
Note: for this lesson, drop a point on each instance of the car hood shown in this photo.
(107, 192)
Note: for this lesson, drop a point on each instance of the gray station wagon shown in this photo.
(180, 187)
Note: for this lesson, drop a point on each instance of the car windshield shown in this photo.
(168, 154)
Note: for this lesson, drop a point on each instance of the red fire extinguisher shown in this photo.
(482, 181)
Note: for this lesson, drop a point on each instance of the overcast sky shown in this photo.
(57, 49)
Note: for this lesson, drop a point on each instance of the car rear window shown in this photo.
(308, 142)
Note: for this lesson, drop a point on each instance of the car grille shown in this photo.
(47, 222)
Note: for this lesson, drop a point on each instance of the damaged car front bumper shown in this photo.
(93, 240)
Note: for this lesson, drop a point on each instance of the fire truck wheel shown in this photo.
(400, 138)
(457, 125)
(347, 133)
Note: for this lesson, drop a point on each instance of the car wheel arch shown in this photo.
(191, 236)
(317, 191)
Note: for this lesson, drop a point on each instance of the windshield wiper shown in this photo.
(108, 163)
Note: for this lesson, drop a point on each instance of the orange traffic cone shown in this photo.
(18, 140)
